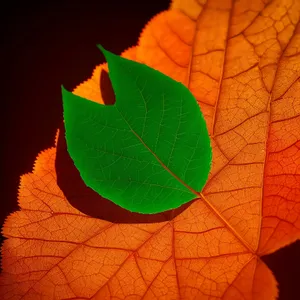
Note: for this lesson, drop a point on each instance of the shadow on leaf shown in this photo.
(91, 203)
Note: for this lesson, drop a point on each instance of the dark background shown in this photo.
(48, 44)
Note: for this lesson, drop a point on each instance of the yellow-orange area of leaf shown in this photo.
(90, 89)
(241, 62)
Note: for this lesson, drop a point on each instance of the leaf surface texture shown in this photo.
(150, 151)
(241, 62)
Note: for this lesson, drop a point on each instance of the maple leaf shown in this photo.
(241, 62)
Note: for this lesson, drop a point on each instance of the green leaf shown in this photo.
(150, 151)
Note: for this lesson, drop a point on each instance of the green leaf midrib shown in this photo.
(145, 145)
(155, 156)
(132, 158)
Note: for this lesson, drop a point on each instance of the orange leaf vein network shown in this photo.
(241, 60)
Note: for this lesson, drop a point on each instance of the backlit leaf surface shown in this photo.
(241, 61)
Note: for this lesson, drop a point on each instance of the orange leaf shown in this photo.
(241, 61)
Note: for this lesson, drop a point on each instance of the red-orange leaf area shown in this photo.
(241, 60)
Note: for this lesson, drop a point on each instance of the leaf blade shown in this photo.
(143, 139)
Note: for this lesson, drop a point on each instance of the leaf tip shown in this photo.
(65, 94)
(63, 90)
(100, 47)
